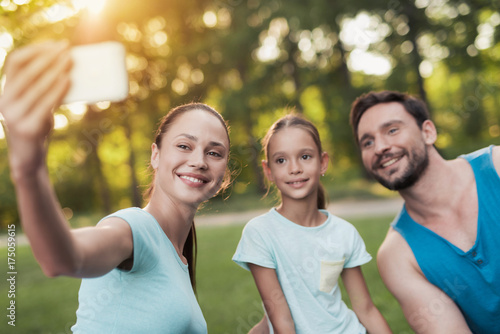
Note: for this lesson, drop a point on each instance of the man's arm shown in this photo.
(427, 308)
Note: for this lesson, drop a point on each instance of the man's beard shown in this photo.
(416, 167)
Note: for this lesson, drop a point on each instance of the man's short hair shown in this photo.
(413, 105)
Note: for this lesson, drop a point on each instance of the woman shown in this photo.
(137, 264)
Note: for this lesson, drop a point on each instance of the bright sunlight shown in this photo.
(93, 6)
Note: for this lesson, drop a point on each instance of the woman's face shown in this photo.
(191, 163)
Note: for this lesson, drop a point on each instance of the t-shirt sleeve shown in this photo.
(146, 238)
(359, 255)
(254, 248)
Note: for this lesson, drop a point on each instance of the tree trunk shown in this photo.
(410, 12)
(134, 183)
(254, 161)
(292, 50)
(94, 140)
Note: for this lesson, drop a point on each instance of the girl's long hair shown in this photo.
(295, 120)
(190, 246)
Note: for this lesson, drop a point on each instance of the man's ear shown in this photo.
(429, 132)
(267, 170)
(155, 156)
(325, 159)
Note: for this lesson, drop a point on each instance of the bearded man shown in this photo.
(441, 255)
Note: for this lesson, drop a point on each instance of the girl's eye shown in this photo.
(306, 156)
(280, 160)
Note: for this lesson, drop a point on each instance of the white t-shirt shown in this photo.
(308, 262)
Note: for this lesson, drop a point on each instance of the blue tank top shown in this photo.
(472, 278)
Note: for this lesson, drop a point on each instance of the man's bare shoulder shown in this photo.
(395, 253)
(496, 158)
(392, 243)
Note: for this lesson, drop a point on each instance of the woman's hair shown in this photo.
(295, 120)
(190, 246)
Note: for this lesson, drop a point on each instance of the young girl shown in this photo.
(297, 251)
(137, 264)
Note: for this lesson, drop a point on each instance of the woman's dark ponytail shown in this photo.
(190, 253)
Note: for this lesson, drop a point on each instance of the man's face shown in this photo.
(393, 148)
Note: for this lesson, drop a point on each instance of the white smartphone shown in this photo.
(98, 73)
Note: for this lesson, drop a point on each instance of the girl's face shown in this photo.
(192, 160)
(295, 163)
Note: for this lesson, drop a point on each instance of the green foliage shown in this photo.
(8, 206)
(252, 60)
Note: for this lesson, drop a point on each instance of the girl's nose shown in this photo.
(295, 168)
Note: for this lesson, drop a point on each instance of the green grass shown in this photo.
(43, 305)
(227, 293)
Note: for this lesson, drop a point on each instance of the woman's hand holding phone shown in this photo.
(40, 77)
(36, 80)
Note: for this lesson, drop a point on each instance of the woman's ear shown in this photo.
(155, 156)
(267, 170)
(325, 159)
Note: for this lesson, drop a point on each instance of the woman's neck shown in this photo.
(175, 219)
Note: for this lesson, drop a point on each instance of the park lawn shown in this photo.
(226, 292)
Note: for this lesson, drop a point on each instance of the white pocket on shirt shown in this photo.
(329, 274)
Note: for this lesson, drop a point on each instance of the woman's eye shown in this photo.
(183, 147)
(215, 154)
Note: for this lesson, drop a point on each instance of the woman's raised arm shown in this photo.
(37, 78)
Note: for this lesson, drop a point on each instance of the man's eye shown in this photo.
(393, 130)
(367, 143)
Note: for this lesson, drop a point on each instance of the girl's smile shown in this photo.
(297, 183)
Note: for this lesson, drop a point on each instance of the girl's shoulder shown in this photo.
(339, 223)
(332, 218)
(263, 223)
(262, 219)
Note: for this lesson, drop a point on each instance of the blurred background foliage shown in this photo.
(253, 60)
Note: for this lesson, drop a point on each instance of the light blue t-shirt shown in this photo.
(308, 262)
(155, 296)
